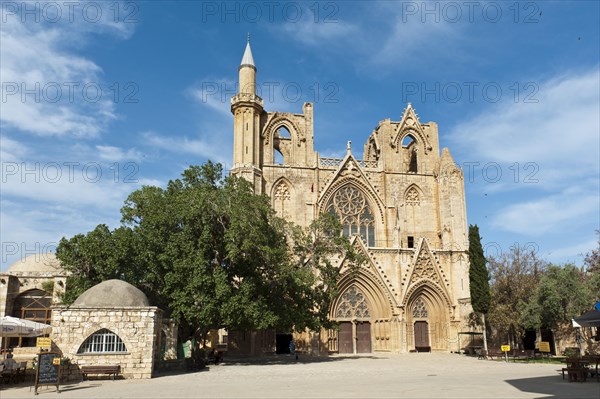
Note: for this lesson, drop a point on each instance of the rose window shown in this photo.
(351, 208)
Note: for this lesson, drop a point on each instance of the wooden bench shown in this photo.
(489, 354)
(594, 365)
(576, 369)
(495, 354)
(522, 355)
(113, 370)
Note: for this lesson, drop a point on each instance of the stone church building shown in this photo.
(402, 202)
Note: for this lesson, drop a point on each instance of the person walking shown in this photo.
(293, 349)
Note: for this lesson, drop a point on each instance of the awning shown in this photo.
(15, 327)
(588, 319)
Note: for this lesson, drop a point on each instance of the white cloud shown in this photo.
(214, 94)
(406, 38)
(326, 29)
(559, 135)
(116, 154)
(49, 90)
(573, 253)
(89, 184)
(37, 227)
(11, 150)
(561, 129)
(569, 210)
(216, 149)
(358, 31)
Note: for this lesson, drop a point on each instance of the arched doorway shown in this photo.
(420, 316)
(428, 316)
(31, 305)
(354, 317)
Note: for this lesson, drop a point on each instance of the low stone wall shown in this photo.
(138, 328)
(173, 365)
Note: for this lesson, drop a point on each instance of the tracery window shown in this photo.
(412, 197)
(103, 341)
(281, 198)
(353, 304)
(351, 207)
(419, 309)
(282, 192)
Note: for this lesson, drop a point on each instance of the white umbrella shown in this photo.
(14, 327)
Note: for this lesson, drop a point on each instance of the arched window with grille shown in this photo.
(351, 207)
(103, 341)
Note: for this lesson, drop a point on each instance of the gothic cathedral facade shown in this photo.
(401, 202)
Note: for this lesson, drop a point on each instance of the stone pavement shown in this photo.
(415, 375)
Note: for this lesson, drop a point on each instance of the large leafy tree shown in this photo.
(560, 295)
(514, 276)
(213, 254)
(479, 278)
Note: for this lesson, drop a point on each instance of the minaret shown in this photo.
(246, 108)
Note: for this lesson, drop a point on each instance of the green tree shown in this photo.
(213, 255)
(513, 278)
(592, 258)
(315, 249)
(560, 295)
(479, 278)
(99, 255)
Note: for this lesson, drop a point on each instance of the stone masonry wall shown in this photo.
(138, 327)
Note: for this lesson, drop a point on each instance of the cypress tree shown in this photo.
(479, 277)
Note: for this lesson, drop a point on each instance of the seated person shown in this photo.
(10, 364)
(215, 356)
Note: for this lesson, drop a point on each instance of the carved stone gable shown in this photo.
(424, 268)
(350, 169)
(410, 125)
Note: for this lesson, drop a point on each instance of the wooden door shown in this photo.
(363, 337)
(421, 335)
(345, 338)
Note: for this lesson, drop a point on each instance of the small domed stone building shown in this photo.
(110, 323)
(28, 290)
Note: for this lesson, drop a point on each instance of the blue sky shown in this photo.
(99, 98)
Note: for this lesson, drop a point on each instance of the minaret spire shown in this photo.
(247, 59)
(247, 108)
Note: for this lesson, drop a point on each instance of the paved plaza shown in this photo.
(423, 375)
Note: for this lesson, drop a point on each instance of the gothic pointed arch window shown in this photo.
(281, 143)
(409, 146)
(412, 197)
(281, 197)
(419, 309)
(351, 207)
(353, 304)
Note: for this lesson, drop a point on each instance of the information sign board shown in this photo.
(48, 370)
